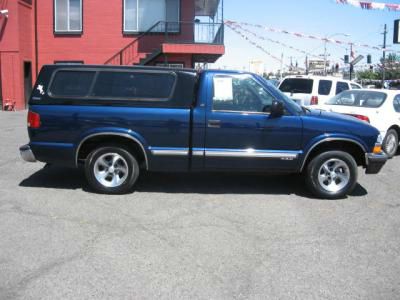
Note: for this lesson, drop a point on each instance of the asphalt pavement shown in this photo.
(199, 236)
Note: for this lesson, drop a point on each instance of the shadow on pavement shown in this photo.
(200, 183)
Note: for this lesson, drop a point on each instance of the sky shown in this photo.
(316, 17)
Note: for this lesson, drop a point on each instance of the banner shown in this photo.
(370, 5)
(260, 37)
(255, 44)
(306, 36)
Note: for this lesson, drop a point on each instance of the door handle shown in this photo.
(214, 124)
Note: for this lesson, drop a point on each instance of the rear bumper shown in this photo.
(375, 162)
(27, 154)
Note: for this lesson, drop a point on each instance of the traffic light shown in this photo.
(369, 59)
(346, 59)
(396, 32)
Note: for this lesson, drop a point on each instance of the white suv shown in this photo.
(309, 90)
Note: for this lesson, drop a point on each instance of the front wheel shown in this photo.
(391, 143)
(332, 174)
(111, 170)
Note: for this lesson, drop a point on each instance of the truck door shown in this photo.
(240, 132)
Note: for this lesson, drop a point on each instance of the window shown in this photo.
(324, 87)
(134, 85)
(355, 86)
(359, 98)
(68, 16)
(297, 85)
(240, 93)
(341, 86)
(71, 83)
(141, 15)
(396, 103)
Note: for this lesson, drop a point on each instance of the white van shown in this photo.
(309, 90)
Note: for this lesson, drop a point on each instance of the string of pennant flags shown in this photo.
(239, 28)
(255, 44)
(370, 5)
(260, 37)
(304, 35)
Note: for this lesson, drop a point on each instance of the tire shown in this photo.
(111, 169)
(341, 178)
(391, 143)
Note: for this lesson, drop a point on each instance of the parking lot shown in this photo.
(202, 236)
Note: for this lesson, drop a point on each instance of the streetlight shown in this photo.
(326, 41)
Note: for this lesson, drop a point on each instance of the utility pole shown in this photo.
(325, 54)
(350, 58)
(306, 64)
(384, 56)
(281, 66)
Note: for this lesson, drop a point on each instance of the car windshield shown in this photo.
(297, 85)
(360, 98)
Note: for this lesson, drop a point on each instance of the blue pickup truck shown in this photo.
(117, 122)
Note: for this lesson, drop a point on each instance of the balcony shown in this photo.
(190, 32)
(203, 40)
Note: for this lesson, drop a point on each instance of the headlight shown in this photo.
(378, 145)
(379, 140)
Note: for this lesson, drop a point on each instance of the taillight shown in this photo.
(361, 117)
(314, 100)
(33, 119)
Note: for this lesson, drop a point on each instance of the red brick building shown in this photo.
(120, 32)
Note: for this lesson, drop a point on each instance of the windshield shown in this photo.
(370, 99)
(297, 85)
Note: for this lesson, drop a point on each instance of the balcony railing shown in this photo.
(191, 32)
(171, 32)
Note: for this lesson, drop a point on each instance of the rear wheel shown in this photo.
(391, 143)
(332, 174)
(111, 169)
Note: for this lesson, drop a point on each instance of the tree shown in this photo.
(392, 67)
(368, 74)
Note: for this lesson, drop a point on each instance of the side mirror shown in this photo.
(277, 109)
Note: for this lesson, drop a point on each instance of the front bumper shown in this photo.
(375, 162)
(27, 154)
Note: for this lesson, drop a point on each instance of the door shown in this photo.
(241, 134)
(27, 81)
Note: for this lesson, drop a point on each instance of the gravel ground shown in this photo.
(200, 236)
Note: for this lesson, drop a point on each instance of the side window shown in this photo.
(341, 86)
(134, 85)
(71, 83)
(355, 86)
(396, 103)
(240, 93)
(324, 87)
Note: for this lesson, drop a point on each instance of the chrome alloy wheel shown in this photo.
(334, 175)
(390, 143)
(111, 170)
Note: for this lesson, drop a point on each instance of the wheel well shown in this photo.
(397, 128)
(94, 142)
(353, 149)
